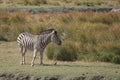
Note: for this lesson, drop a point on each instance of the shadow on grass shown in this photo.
(62, 65)
(59, 65)
(75, 65)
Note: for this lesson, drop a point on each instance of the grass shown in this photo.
(62, 3)
(10, 57)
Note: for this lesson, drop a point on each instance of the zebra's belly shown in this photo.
(28, 45)
(33, 47)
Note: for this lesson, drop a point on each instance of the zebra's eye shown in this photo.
(55, 32)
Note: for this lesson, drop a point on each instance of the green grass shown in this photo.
(10, 58)
(62, 3)
(48, 8)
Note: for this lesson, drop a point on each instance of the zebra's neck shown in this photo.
(45, 39)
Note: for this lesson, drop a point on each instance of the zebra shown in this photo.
(36, 43)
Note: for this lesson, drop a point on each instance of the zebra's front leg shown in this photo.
(23, 60)
(34, 56)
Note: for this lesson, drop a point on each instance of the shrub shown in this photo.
(51, 50)
(106, 57)
(4, 29)
(2, 38)
(66, 52)
(109, 57)
(116, 59)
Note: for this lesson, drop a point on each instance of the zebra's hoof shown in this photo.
(55, 63)
(32, 65)
(21, 63)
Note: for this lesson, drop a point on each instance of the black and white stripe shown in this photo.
(36, 42)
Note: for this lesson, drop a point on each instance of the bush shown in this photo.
(51, 50)
(116, 59)
(109, 57)
(2, 38)
(106, 57)
(66, 52)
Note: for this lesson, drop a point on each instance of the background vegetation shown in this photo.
(81, 3)
(88, 36)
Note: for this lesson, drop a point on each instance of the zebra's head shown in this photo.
(55, 38)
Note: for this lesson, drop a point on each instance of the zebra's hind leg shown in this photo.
(34, 56)
(23, 51)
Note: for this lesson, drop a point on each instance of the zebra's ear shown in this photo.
(53, 31)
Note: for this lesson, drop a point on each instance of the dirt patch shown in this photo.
(10, 76)
(87, 78)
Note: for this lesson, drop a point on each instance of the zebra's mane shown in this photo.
(47, 31)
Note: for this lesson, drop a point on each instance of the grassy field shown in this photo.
(10, 58)
(90, 36)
